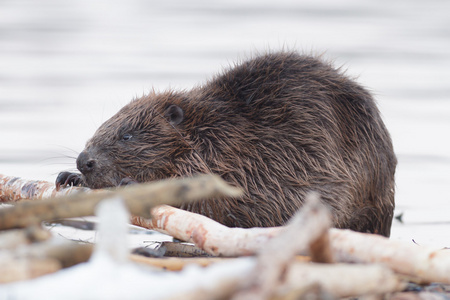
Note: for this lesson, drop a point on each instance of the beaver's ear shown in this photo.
(174, 114)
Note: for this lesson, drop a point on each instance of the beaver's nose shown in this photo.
(85, 163)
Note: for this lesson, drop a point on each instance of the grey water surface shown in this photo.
(67, 66)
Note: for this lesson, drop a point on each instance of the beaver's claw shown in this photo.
(67, 178)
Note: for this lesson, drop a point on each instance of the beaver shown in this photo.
(278, 125)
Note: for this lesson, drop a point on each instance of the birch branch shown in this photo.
(342, 280)
(13, 189)
(40, 258)
(176, 263)
(324, 281)
(171, 249)
(14, 269)
(347, 246)
(432, 265)
(14, 238)
(307, 227)
(207, 234)
(138, 198)
(67, 253)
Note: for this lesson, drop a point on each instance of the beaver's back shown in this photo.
(279, 126)
(282, 125)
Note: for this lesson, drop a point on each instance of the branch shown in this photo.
(430, 264)
(346, 246)
(18, 237)
(138, 198)
(13, 189)
(311, 281)
(307, 227)
(205, 233)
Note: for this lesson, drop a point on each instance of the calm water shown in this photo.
(65, 67)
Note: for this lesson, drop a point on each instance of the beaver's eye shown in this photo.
(127, 137)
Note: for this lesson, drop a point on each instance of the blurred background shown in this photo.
(67, 66)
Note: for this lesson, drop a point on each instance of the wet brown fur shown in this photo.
(279, 125)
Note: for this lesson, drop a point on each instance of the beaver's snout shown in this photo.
(85, 163)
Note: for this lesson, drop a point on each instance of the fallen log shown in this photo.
(176, 263)
(22, 263)
(343, 280)
(324, 281)
(16, 269)
(14, 238)
(347, 246)
(171, 249)
(207, 234)
(429, 264)
(13, 189)
(139, 199)
(304, 233)
(66, 253)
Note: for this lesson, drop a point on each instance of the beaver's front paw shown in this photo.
(67, 178)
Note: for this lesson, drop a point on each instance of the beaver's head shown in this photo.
(141, 142)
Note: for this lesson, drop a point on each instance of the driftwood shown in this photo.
(325, 281)
(14, 189)
(176, 263)
(66, 253)
(175, 249)
(432, 265)
(346, 246)
(14, 238)
(16, 269)
(15, 263)
(215, 238)
(30, 252)
(343, 280)
(276, 276)
(78, 224)
(304, 230)
(38, 259)
(138, 198)
(171, 249)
